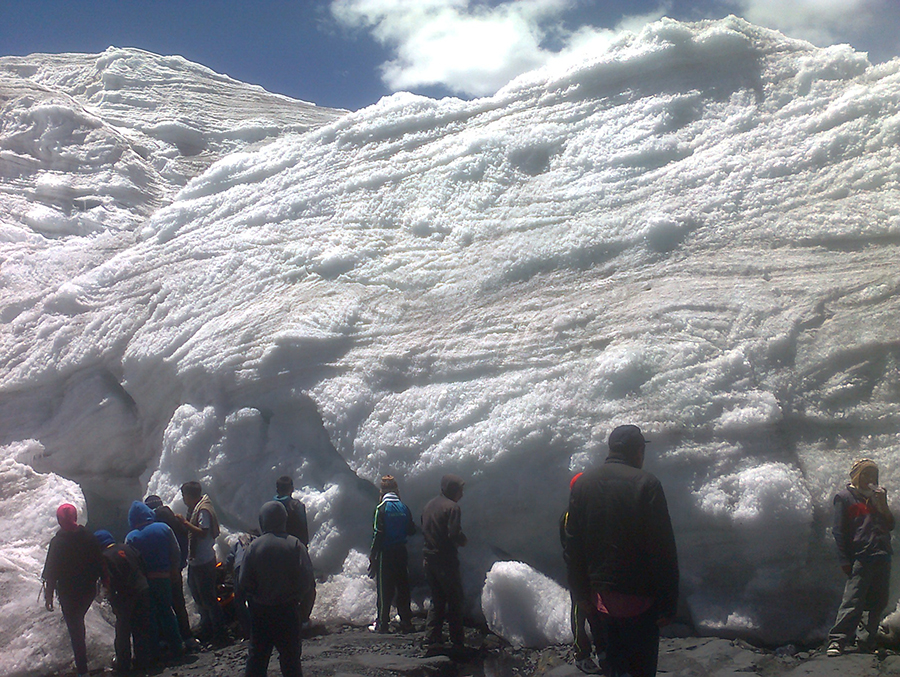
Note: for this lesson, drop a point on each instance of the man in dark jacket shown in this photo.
(129, 597)
(862, 532)
(388, 557)
(277, 581)
(441, 528)
(74, 565)
(296, 511)
(621, 554)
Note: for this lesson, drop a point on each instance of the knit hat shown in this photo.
(104, 538)
(626, 440)
(67, 516)
(858, 468)
(153, 502)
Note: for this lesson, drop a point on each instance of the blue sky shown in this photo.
(349, 53)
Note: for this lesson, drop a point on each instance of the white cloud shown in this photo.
(822, 22)
(466, 46)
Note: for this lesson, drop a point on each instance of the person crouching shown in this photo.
(277, 581)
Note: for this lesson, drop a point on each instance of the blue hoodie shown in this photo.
(154, 540)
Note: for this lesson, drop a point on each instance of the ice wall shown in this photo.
(695, 231)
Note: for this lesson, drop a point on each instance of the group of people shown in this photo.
(143, 580)
(617, 539)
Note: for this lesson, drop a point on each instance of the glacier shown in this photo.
(695, 231)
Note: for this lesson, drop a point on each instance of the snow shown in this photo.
(694, 231)
(513, 593)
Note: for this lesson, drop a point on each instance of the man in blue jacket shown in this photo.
(277, 581)
(388, 558)
(159, 548)
(862, 532)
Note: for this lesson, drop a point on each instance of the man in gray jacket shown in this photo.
(277, 581)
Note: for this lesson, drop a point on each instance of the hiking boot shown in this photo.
(588, 666)
(834, 649)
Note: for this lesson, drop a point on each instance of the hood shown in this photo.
(451, 485)
(67, 516)
(140, 515)
(104, 538)
(273, 518)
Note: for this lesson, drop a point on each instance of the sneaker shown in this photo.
(834, 649)
(588, 666)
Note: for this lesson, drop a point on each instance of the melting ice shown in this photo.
(695, 231)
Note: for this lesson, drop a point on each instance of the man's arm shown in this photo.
(576, 566)
(661, 543)
(454, 527)
(840, 532)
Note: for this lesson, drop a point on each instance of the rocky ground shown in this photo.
(356, 652)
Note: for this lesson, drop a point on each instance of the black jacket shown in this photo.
(441, 524)
(619, 536)
(74, 562)
(125, 572)
(860, 531)
(276, 569)
(297, 525)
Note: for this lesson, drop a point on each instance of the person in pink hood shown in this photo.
(73, 567)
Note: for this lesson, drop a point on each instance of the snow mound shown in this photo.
(524, 607)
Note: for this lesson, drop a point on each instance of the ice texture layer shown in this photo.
(695, 231)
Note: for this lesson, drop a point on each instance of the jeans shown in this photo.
(446, 602)
(163, 616)
(580, 622)
(75, 605)
(632, 648)
(202, 582)
(392, 578)
(274, 627)
(866, 589)
(133, 622)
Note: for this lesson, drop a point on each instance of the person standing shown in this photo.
(159, 549)
(581, 618)
(165, 515)
(388, 557)
(129, 596)
(621, 554)
(203, 529)
(297, 525)
(442, 531)
(277, 581)
(72, 569)
(862, 532)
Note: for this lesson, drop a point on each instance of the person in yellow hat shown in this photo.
(862, 532)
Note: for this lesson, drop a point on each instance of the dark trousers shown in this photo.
(580, 622)
(75, 605)
(202, 582)
(179, 607)
(133, 624)
(392, 578)
(275, 627)
(866, 589)
(446, 602)
(632, 648)
(163, 616)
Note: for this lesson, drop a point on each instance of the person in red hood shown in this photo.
(72, 569)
